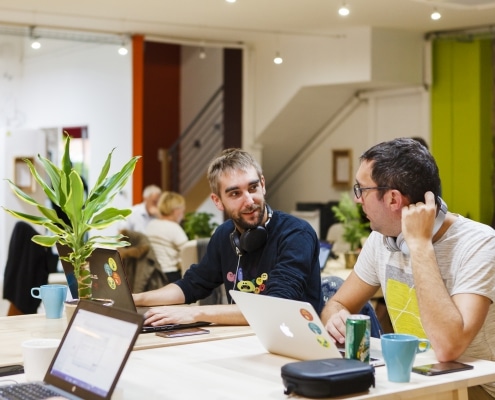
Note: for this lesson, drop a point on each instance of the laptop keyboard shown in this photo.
(26, 391)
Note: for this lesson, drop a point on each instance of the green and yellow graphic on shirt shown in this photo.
(402, 305)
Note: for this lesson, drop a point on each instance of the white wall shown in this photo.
(66, 84)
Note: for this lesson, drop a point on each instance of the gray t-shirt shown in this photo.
(466, 259)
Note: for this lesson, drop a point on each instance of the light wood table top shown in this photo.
(240, 368)
(15, 330)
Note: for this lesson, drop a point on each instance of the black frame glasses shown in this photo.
(358, 190)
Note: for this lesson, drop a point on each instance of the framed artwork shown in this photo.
(22, 175)
(342, 168)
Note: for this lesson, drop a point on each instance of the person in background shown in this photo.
(436, 269)
(166, 235)
(144, 212)
(256, 250)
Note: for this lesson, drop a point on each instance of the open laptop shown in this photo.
(91, 355)
(325, 251)
(290, 328)
(110, 282)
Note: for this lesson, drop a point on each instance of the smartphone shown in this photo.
(11, 370)
(441, 368)
(183, 332)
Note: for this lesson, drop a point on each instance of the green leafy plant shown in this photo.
(349, 213)
(199, 225)
(65, 189)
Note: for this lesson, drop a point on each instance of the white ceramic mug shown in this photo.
(37, 355)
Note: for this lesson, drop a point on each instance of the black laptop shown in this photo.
(90, 357)
(110, 282)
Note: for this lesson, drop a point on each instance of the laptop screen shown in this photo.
(94, 351)
(325, 249)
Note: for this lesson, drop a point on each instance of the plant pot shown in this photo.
(350, 258)
(71, 305)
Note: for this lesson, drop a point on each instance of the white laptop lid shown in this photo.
(286, 327)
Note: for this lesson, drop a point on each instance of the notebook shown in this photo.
(110, 282)
(290, 328)
(91, 355)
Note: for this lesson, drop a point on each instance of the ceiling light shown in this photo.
(344, 10)
(435, 15)
(278, 60)
(123, 50)
(230, 1)
(35, 44)
(202, 53)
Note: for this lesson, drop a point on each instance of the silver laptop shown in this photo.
(90, 357)
(289, 328)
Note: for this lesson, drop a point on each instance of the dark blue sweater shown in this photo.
(286, 266)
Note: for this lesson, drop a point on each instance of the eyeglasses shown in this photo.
(358, 190)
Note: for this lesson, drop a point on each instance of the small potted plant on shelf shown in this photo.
(349, 213)
(65, 190)
(199, 225)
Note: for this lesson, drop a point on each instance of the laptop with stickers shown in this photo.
(289, 328)
(90, 358)
(110, 283)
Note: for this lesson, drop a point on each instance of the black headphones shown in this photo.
(250, 239)
(399, 244)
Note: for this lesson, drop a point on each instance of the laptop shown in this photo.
(290, 328)
(91, 355)
(325, 251)
(110, 282)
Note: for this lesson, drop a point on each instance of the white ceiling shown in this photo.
(217, 20)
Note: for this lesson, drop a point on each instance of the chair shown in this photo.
(28, 265)
(191, 252)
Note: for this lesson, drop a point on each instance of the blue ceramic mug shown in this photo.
(399, 351)
(53, 297)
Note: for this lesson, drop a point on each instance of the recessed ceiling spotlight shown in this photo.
(435, 15)
(230, 1)
(344, 10)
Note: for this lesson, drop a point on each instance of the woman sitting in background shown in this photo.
(166, 235)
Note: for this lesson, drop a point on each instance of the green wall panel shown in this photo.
(461, 125)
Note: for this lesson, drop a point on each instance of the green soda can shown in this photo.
(357, 337)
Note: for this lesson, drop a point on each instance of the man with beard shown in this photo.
(436, 269)
(256, 250)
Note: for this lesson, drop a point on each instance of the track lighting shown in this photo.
(123, 50)
(202, 53)
(35, 43)
(344, 10)
(435, 15)
(278, 60)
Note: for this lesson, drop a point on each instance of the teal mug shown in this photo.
(399, 351)
(53, 298)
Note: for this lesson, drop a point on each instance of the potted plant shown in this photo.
(199, 225)
(93, 212)
(349, 213)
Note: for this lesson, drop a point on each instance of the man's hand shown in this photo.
(418, 221)
(336, 326)
(157, 316)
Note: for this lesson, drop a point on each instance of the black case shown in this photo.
(328, 377)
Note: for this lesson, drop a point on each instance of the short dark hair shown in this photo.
(230, 160)
(406, 165)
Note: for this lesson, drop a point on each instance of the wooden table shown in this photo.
(235, 367)
(14, 330)
(240, 368)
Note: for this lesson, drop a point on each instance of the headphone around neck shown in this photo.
(251, 239)
(399, 244)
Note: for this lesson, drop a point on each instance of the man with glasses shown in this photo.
(436, 269)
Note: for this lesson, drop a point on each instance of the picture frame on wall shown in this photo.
(22, 175)
(342, 168)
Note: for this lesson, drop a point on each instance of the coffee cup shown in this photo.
(53, 297)
(37, 355)
(399, 351)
